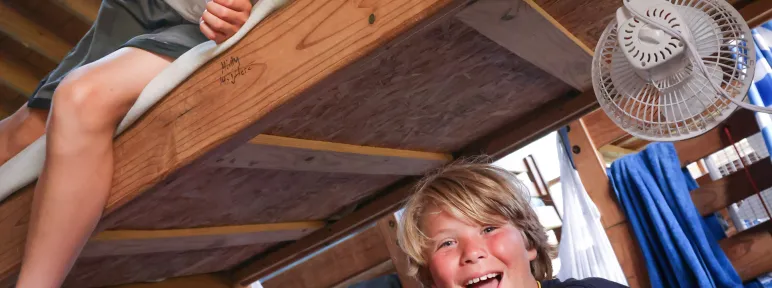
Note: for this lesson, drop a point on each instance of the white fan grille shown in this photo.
(683, 105)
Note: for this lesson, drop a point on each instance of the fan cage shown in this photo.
(658, 111)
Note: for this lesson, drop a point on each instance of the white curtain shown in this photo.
(584, 250)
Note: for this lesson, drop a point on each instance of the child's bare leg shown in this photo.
(19, 130)
(74, 185)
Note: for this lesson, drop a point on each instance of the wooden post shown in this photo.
(388, 228)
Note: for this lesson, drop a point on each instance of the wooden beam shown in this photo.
(388, 229)
(339, 262)
(130, 242)
(379, 270)
(713, 196)
(741, 124)
(602, 130)
(527, 30)
(32, 35)
(282, 153)
(17, 75)
(757, 13)
(749, 251)
(195, 281)
(86, 10)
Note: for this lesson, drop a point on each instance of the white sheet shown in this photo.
(25, 167)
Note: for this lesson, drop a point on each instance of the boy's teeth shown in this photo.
(482, 278)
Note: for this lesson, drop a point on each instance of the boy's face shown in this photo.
(461, 252)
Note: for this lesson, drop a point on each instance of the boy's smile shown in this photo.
(471, 255)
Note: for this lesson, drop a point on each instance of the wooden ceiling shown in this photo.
(243, 176)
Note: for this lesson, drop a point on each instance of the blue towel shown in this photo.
(678, 248)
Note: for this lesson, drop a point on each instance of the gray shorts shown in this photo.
(150, 25)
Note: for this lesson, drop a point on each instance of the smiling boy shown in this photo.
(471, 226)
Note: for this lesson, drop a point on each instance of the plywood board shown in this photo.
(439, 91)
(713, 196)
(214, 196)
(104, 271)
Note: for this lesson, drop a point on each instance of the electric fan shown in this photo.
(669, 70)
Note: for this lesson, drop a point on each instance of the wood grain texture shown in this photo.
(231, 196)
(741, 124)
(38, 38)
(538, 123)
(713, 196)
(387, 226)
(132, 242)
(292, 154)
(207, 116)
(629, 254)
(524, 28)
(437, 92)
(10, 101)
(116, 270)
(592, 171)
(602, 129)
(757, 13)
(195, 281)
(17, 75)
(336, 264)
(86, 10)
(586, 19)
(749, 251)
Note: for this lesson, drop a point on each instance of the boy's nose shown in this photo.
(473, 253)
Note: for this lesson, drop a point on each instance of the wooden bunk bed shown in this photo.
(313, 127)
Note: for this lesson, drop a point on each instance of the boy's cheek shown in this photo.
(442, 269)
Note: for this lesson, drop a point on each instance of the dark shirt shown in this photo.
(584, 283)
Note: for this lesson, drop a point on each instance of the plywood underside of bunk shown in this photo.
(324, 130)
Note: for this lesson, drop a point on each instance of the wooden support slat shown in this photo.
(196, 281)
(741, 124)
(602, 129)
(379, 270)
(388, 229)
(527, 30)
(750, 250)
(339, 262)
(713, 196)
(757, 12)
(282, 153)
(86, 10)
(130, 242)
(32, 35)
(17, 75)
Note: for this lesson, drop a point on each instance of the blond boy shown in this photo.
(471, 225)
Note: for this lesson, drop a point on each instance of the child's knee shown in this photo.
(82, 100)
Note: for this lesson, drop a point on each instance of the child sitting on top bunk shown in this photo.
(89, 92)
(471, 225)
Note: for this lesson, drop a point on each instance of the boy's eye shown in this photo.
(445, 244)
(489, 229)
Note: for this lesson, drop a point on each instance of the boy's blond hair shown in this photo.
(480, 193)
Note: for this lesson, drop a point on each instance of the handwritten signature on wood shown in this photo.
(232, 69)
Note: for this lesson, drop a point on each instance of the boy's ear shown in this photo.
(532, 254)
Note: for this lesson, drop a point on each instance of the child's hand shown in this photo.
(223, 18)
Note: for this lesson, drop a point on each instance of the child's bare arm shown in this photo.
(223, 18)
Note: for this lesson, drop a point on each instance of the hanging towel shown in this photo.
(654, 190)
(25, 167)
(584, 249)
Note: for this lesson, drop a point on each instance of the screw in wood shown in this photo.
(576, 149)
(371, 19)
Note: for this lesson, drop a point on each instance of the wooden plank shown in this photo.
(592, 171)
(741, 124)
(757, 13)
(282, 153)
(195, 281)
(341, 261)
(17, 75)
(749, 251)
(204, 118)
(527, 30)
(379, 270)
(86, 10)
(713, 196)
(602, 129)
(535, 125)
(32, 35)
(388, 229)
(131, 242)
